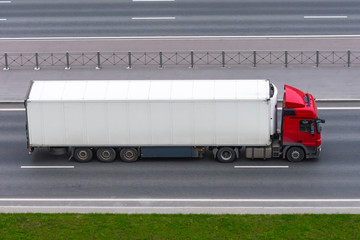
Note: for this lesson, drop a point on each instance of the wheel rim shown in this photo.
(129, 154)
(83, 155)
(226, 155)
(295, 155)
(106, 155)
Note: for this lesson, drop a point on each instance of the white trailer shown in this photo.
(151, 118)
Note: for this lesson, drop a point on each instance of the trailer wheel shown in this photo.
(226, 155)
(83, 155)
(295, 154)
(129, 155)
(106, 154)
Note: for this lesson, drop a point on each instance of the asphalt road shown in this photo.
(44, 18)
(328, 184)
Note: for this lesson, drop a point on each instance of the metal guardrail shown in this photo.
(190, 59)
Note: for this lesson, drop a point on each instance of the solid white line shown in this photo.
(168, 200)
(5, 1)
(3, 19)
(11, 109)
(46, 167)
(153, 18)
(324, 17)
(261, 166)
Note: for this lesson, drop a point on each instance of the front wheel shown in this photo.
(295, 154)
(226, 155)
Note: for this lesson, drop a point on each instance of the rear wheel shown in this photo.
(106, 154)
(129, 155)
(226, 155)
(295, 154)
(83, 155)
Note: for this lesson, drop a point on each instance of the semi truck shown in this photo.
(135, 119)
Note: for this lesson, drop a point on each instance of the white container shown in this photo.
(151, 113)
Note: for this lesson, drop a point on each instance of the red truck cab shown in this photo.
(300, 128)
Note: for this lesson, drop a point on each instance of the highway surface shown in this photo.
(328, 184)
(123, 18)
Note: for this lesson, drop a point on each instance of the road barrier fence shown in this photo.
(189, 59)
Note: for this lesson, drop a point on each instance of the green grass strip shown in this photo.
(178, 226)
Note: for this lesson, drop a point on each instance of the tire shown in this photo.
(295, 154)
(226, 155)
(83, 155)
(129, 155)
(106, 155)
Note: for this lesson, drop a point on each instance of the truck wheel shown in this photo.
(295, 154)
(106, 154)
(225, 155)
(83, 155)
(129, 155)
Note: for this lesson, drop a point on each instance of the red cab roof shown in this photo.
(293, 98)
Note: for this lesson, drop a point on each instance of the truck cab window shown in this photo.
(305, 126)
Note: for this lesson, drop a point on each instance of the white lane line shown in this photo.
(3, 19)
(153, 18)
(261, 166)
(169, 200)
(325, 17)
(5, 1)
(46, 167)
(11, 109)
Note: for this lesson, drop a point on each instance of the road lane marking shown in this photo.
(325, 17)
(153, 18)
(261, 166)
(46, 167)
(168, 200)
(3, 19)
(11, 109)
(5, 1)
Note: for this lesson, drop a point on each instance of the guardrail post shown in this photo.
(98, 61)
(317, 58)
(6, 62)
(161, 60)
(192, 59)
(286, 59)
(67, 62)
(129, 59)
(37, 67)
(223, 58)
(348, 58)
(254, 58)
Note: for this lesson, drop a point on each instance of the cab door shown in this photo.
(307, 133)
